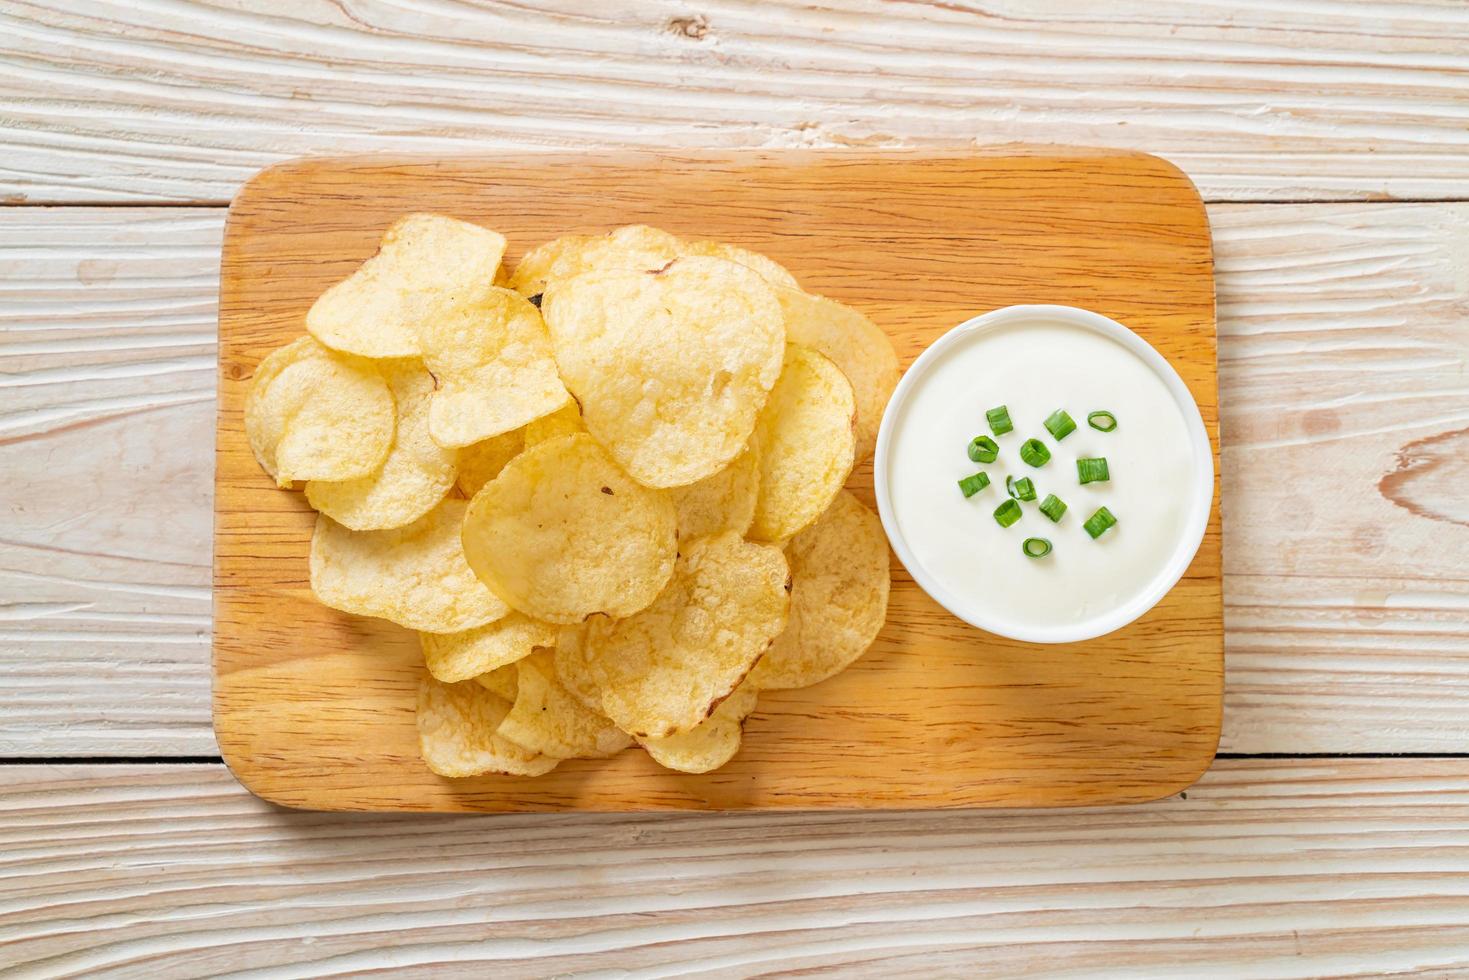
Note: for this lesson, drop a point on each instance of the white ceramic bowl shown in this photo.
(1196, 515)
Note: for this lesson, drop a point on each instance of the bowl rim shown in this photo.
(1201, 500)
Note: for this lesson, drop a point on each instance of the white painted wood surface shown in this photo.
(151, 100)
(1343, 347)
(1266, 869)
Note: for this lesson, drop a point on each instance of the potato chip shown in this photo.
(574, 668)
(856, 345)
(547, 718)
(670, 368)
(415, 576)
(565, 421)
(839, 597)
(457, 733)
(770, 270)
(492, 361)
(631, 248)
(806, 445)
(563, 533)
(460, 656)
(482, 462)
(374, 312)
(414, 477)
(501, 680)
(666, 669)
(314, 415)
(722, 502)
(712, 742)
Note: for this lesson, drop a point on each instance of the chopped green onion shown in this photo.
(1099, 522)
(1035, 547)
(1102, 421)
(983, 449)
(1053, 507)
(1034, 452)
(1060, 425)
(1021, 489)
(971, 485)
(1092, 470)
(1007, 513)
(999, 419)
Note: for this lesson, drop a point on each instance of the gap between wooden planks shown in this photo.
(1342, 345)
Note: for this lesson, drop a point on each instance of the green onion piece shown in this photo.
(1092, 470)
(1099, 522)
(1034, 452)
(1060, 425)
(1007, 513)
(971, 485)
(1021, 489)
(1101, 421)
(1035, 547)
(983, 449)
(999, 419)
(1053, 507)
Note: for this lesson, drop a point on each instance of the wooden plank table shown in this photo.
(1314, 847)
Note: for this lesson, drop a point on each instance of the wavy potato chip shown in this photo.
(631, 248)
(375, 311)
(415, 576)
(722, 502)
(712, 742)
(311, 414)
(501, 680)
(807, 447)
(839, 597)
(492, 361)
(412, 480)
(481, 462)
(547, 718)
(770, 270)
(855, 345)
(670, 368)
(458, 733)
(562, 533)
(665, 669)
(455, 657)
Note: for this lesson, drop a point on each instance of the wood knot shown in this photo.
(694, 28)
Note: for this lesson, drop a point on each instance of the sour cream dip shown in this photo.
(1035, 360)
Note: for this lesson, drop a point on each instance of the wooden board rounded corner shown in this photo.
(317, 714)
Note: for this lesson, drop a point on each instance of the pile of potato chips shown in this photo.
(605, 489)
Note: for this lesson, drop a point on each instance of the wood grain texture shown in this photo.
(1266, 869)
(314, 708)
(113, 100)
(1316, 661)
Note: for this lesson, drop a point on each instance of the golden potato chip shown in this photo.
(806, 445)
(457, 733)
(712, 742)
(839, 597)
(722, 502)
(314, 415)
(459, 656)
(501, 680)
(574, 668)
(374, 312)
(670, 368)
(770, 270)
(565, 421)
(547, 718)
(856, 345)
(414, 477)
(665, 669)
(415, 576)
(492, 361)
(482, 461)
(563, 533)
(631, 248)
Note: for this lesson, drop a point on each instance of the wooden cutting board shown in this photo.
(314, 708)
